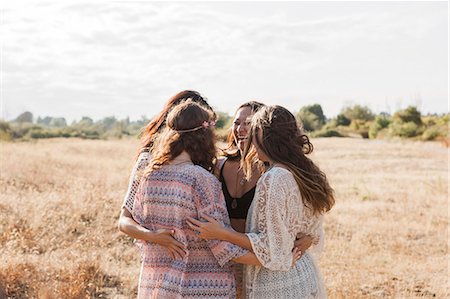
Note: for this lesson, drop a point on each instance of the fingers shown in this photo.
(177, 252)
(210, 219)
(296, 255)
(167, 231)
(177, 244)
(194, 221)
(193, 226)
(172, 255)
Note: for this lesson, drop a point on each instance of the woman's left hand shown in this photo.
(210, 230)
(303, 242)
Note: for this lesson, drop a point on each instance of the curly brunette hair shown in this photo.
(158, 123)
(189, 128)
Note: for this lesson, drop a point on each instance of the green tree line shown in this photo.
(352, 121)
(360, 121)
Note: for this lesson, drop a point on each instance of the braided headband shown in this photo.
(206, 124)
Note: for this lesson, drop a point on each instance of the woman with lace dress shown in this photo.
(239, 191)
(290, 198)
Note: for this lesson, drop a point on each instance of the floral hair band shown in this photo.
(205, 125)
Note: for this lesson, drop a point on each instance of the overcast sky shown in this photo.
(127, 58)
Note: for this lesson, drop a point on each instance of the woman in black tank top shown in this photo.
(237, 190)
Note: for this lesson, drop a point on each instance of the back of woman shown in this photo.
(177, 184)
(166, 197)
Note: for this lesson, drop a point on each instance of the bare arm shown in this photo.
(163, 237)
(130, 227)
(213, 230)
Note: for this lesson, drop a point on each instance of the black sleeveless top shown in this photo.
(237, 207)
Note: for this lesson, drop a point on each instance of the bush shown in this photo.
(222, 134)
(223, 121)
(5, 131)
(430, 134)
(380, 122)
(435, 133)
(26, 117)
(361, 127)
(358, 112)
(311, 117)
(342, 120)
(410, 114)
(406, 130)
(327, 133)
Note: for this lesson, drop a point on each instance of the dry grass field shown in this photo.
(387, 236)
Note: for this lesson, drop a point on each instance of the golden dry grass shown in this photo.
(387, 236)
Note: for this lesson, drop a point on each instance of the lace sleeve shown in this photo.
(211, 202)
(134, 180)
(274, 239)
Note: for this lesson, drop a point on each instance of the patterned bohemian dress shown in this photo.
(163, 200)
(275, 217)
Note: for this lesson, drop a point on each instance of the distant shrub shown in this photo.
(380, 122)
(311, 117)
(358, 112)
(5, 131)
(435, 132)
(222, 134)
(342, 120)
(360, 127)
(223, 121)
(431, 134)
(89, 135)
(406, 130)
(327, 133)
(26, 117)
(410, 114)
(20, 130)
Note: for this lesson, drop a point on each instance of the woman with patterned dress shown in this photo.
(290, 198)
(126, 222)
(178, 185)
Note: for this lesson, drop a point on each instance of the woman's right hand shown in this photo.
(296, 255)
(164, 237)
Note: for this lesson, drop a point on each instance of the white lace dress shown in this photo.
(275, 217)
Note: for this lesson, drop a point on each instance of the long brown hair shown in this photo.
(189, 128)
(159, 121)
(231, 150)
(283, 142)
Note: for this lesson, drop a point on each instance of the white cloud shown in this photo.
(132, 53)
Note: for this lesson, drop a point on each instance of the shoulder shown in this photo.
(277, 175)
(219, 164)
(201, 174)
(203, 180)
(143, 157)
